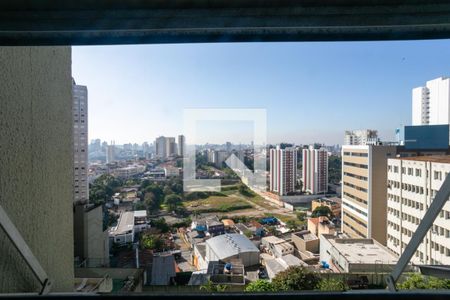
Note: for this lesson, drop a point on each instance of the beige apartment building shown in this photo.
(364, 184)
(412, 185)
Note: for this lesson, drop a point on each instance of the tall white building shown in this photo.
(412, 185)
(181, 145)
(361, 137)
(431, 103)
(315, 170)
(283, 170)
(80, 142)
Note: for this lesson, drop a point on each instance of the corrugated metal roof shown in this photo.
(163, 268)
(227, 245)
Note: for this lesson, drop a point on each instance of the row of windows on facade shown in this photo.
(361, 166)
(406, 201)
(355, 187)
(435, 246)
(355, 209)
(439, 231)
(437, 175)
(392, 184)
(363, 224)
(354, 229)
(356, 176)
(355, 198)
(359, 154)
(396, 242)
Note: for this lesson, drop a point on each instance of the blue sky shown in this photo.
(312, 91)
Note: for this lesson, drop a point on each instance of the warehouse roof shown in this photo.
(227, 245)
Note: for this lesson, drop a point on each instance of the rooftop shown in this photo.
(227, 245)
(273, 240)
(280, 264)
(125, 223)
(140, 213)
(228, 222)
(306, 235)
(366, 251)
(163, 269)
(431, 158)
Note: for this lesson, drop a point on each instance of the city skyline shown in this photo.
(313, 92)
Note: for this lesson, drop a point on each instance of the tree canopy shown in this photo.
(172, 201)
(417, 281)
(322, 211)
(295, 278)
(103, 188)
(260, 285)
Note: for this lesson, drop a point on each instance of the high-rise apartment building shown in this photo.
(431, 103)
(315, 170)
(80, 142)
(111, 153)
(412, 185)
(364, 178)
(165, 147)
(91, 242)
(228, 146)
(361, 137)
(160, 147)
(171, 146)
(283, 170)
(181, 145)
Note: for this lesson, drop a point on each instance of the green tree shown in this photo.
(334, 169)
(167, 190)
(260, 285)
(150, 201)
(417, 281)
(211, 287)
(157, 192)
(161, 225)
(332, 285)
(139, 206)
(322, 211)
(291, 225)
(102, 189)
(295, 278)
(172, 201)
(152, 242)
(301, 216)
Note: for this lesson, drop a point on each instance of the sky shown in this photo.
(312, 92)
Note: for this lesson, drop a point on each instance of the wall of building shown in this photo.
(378, 202)
(36, 164)
(302, 245)
(97, 246)
(355, 199)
